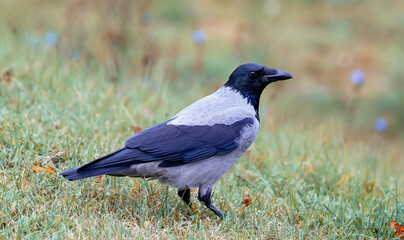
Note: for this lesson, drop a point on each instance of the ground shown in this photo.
(317, 170)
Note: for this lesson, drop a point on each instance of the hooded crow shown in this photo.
(199, 144)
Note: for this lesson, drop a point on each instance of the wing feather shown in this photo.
(173, 145)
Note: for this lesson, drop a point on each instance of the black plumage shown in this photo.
(174, 145)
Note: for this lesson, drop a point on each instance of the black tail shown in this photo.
(113, 162)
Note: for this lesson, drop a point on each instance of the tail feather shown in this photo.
(73, 174)
(68, 173)
(94, 168)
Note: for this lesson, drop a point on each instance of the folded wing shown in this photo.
(173, 145)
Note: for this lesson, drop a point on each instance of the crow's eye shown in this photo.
(253, 74)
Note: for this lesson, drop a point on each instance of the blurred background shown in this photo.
(346, 56)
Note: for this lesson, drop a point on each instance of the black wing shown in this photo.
(174, 145)
(180, 144)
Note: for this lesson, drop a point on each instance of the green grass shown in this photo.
(295, 176)
(306, 178)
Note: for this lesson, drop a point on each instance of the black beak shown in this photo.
(277, 75)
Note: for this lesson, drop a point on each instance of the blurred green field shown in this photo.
(79, 77)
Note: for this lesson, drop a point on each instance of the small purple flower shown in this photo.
(357, 77)
(147, 18)
(380, 124)
(199, 36)
(51, 38)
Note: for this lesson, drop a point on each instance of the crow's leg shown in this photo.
(204, 196)
(185, 195)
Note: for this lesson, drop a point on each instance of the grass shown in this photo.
(305, 181)
(297, 179)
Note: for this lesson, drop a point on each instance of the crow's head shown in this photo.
(250, 79)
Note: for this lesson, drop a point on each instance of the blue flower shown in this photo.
(51, 38)
(199, 36)
(357, 77)
(147, 18)
(380, 124)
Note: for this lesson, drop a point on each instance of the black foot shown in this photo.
(204, 196)
(185, 195)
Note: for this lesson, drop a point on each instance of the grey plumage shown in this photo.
(199, 144)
